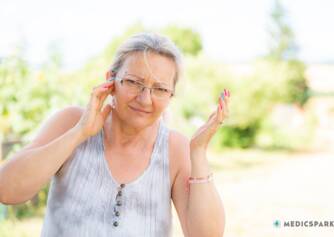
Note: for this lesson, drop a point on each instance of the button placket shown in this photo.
(117, 206)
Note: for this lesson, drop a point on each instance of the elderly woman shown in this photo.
(116, 168)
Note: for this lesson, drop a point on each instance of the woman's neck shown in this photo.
(120, 134)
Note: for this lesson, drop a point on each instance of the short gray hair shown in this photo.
(151, 42)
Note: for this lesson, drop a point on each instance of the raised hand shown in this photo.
(203, 135)
(94, 116)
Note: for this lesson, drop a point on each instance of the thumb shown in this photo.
(106, 110)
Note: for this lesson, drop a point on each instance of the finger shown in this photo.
(211, 116)
(220, 111)
(104, 94)
(226, 99)
(98, 96)
(214, 119)
(225, 108)
(101, 89)
(106, 110)
(109, 84)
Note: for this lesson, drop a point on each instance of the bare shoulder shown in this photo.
(55, 125)
(178, 142)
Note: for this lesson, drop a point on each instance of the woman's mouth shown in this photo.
(139, 110)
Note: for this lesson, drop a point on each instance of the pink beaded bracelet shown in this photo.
(199, 180)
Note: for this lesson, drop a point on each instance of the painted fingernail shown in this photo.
(222, 95)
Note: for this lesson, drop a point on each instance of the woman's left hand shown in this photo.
(203, 135)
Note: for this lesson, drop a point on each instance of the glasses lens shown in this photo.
(161, 93)
(132, 86)
(135, 87)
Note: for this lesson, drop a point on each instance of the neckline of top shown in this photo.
(146, 170)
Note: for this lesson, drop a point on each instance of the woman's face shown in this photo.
(141, 108)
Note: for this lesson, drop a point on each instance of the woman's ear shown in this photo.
(110, 75)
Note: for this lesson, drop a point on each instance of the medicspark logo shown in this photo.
(303, 223)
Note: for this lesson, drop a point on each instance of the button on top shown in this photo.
(115, 223)
(122, 185)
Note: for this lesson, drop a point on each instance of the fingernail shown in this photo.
(222, 95)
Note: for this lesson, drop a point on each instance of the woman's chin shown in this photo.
(138, 122)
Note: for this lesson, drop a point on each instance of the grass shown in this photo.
(24, 228)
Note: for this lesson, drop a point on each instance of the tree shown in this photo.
(283, 52)
(282, 45)
(188, 40)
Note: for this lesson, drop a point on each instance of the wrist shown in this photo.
(78, 134)
(198, 151)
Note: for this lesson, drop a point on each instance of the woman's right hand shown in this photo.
(93, 118)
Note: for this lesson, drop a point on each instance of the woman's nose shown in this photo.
(144, 97)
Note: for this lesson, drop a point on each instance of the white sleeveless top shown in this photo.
(85, 200)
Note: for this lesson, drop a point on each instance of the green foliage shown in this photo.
(27, 99)
(29, 96)
(254, 95)
(273, 136)
(33, 207)
(282, 42)
(188, 40)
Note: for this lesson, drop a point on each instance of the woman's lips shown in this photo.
(139, 110)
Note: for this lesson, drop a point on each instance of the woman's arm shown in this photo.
(199, 207)
(23, 175)
(205, 209)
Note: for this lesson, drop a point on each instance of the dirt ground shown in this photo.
(295, 187)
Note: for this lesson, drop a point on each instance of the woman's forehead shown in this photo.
(151, 67)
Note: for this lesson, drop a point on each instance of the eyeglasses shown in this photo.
(136, 87)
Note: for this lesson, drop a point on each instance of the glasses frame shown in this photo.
(143, 87)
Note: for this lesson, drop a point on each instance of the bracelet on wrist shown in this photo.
(198, 180)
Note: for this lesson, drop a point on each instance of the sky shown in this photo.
(231, 31)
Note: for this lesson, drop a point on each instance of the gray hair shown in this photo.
(148, 42)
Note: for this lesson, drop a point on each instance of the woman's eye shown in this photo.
(134, 82)
(162, 89)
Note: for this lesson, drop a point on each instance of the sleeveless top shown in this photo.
(85, 200)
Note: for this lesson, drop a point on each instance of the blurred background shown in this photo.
(273, 158)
